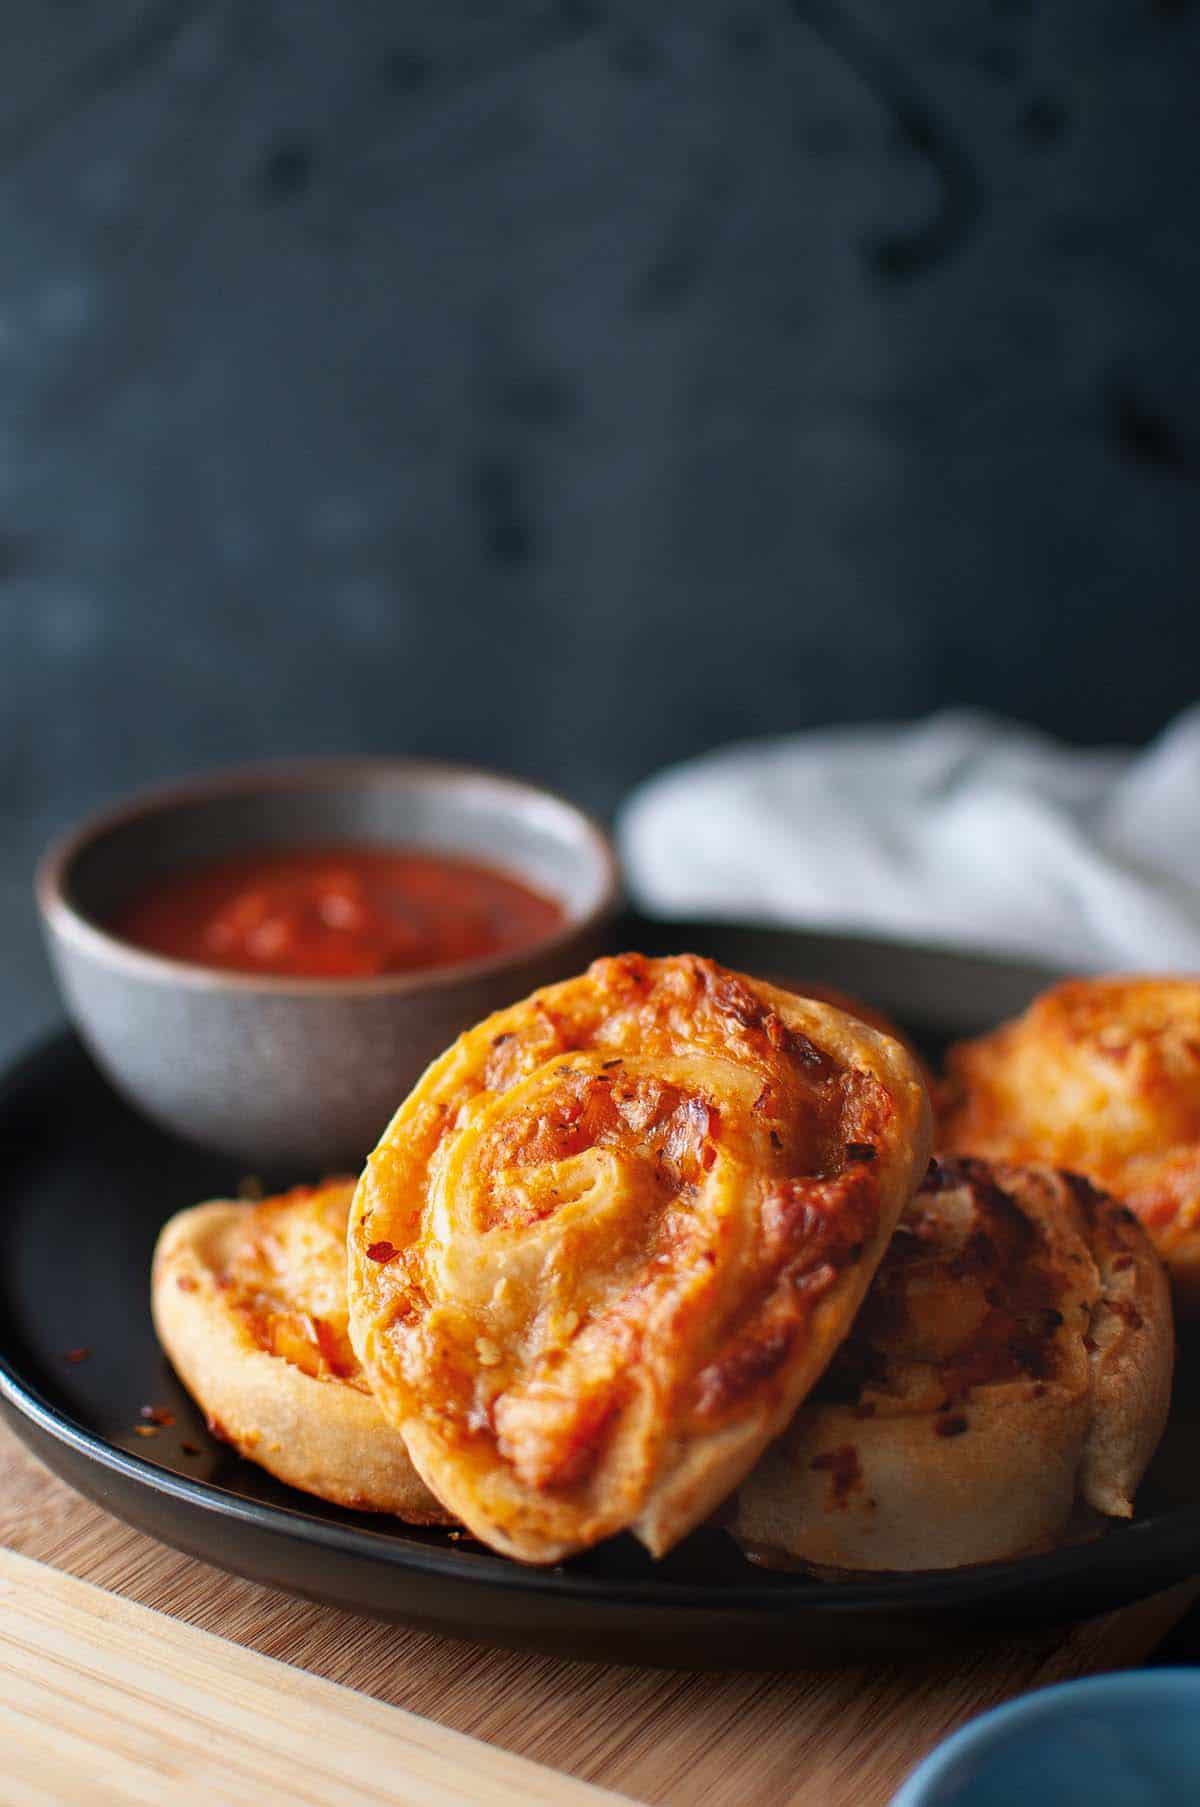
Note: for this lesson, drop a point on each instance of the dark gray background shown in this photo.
(573, 386)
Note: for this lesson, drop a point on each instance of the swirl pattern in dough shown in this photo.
(612, 1238)
(249, 1302)
(1012, 1359)
(1102, 1076)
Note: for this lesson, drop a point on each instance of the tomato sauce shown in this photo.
(336, 913)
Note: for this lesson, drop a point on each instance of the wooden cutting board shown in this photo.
(104, 1700)
(115, 1706)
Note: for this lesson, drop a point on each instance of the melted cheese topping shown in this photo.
(613, 1235)
(989, 1278)
(1011, 1362)
(1101, 1076)
(286, 1278)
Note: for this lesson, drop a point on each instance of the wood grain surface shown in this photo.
(841, 1739)
(104, 1700)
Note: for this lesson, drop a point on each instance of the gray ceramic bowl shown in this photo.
(292, 1073)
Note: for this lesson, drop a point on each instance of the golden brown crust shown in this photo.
(1012, 1359)
(854, 1006)
(249, 1302)
(614, 1235)
(1132, 1347)
(1101, 1076)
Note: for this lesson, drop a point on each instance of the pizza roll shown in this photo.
(1012, 1361)
(614, 1235)
(1102, 1076)
(249, 1302)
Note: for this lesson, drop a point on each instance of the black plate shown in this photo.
(89, 1183)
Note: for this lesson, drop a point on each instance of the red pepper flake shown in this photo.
(75, 1356)
(776, 1139)
(186, 1283)
(190, 1449)
(1122, 1263)
(708, 1156)
(952, 1425)
(383, 1252)
(157, 1414)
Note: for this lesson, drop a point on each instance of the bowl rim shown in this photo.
(65, 921)
(1172, 1684)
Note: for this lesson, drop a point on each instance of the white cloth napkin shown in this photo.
(962, 829)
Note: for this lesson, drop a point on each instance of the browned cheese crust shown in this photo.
(1101, 1076)
(854, 1006)
(1011, 1361)
(249, 1302)
(612, 1238)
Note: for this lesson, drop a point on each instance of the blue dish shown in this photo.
(1128, 1740)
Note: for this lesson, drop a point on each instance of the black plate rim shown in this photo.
(1041, 972)
(1161, 1540)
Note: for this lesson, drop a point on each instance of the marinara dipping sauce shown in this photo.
(336, 913)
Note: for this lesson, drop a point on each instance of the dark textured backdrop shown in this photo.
(571, 386)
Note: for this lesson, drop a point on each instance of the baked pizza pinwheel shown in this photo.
(1102, 1076)
(249, 1302)
(1011, 1362)
(614, 1235)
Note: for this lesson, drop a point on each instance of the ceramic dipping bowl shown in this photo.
(303, 1075)
(1126, 1740)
